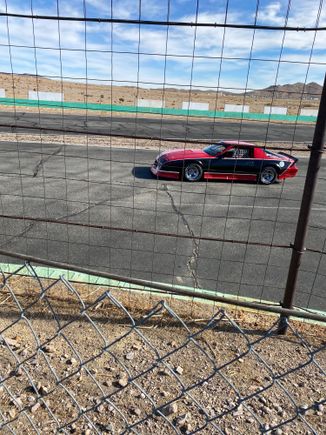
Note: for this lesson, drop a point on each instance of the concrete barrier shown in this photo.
(161, 111)
(236, 108)
(47, 96)
(274, 110)
(150, 103)
(308, 112)
(191, 105)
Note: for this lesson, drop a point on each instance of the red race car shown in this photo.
(226, 160)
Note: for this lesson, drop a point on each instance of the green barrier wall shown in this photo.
(164, 111)
(51, 273)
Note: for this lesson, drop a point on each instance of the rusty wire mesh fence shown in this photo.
(80, 359)
(90, 93)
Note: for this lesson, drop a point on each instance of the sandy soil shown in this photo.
(87, 362)
(18, 86)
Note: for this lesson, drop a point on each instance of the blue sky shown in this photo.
(234, 59)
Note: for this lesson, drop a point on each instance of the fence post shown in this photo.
(306, 204)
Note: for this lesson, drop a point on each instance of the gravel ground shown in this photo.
(117, 142)
(87, 361)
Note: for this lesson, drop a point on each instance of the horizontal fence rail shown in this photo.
(172, 290)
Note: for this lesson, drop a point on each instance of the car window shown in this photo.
(229, 153)
(271, 154)
(214, 149)
(242, 153)
(237, 153)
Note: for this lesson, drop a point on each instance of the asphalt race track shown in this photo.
(114, 187)
(156, 127)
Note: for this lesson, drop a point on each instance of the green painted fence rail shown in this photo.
(44, 272)
(160, 111)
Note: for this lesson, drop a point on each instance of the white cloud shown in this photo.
(100, 5)
(210, 41)
(182, 43)
(271, 14)
(302, 13)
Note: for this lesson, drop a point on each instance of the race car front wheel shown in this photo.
(268, 175)
(193, 172)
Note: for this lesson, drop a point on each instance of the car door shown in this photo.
(223, 164)
(244, 163)
(236, 163)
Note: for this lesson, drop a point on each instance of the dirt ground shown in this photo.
(297, 148)
(18, 85)
(80, 359)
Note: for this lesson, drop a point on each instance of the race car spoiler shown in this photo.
(289, 156)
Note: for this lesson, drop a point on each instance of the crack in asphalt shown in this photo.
(193, 260)
(76, 213)
(32, 224)
(43, 160)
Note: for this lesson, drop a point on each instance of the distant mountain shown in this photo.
(18, 86)
(289, 91)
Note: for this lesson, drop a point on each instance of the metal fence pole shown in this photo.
(306, 204)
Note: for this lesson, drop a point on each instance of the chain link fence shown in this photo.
(79, 358)
(90, 94)
(76, 142)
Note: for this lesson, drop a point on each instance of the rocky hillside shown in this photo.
(309, 91)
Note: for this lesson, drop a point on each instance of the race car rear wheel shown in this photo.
(193, 172)
(268, 175)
